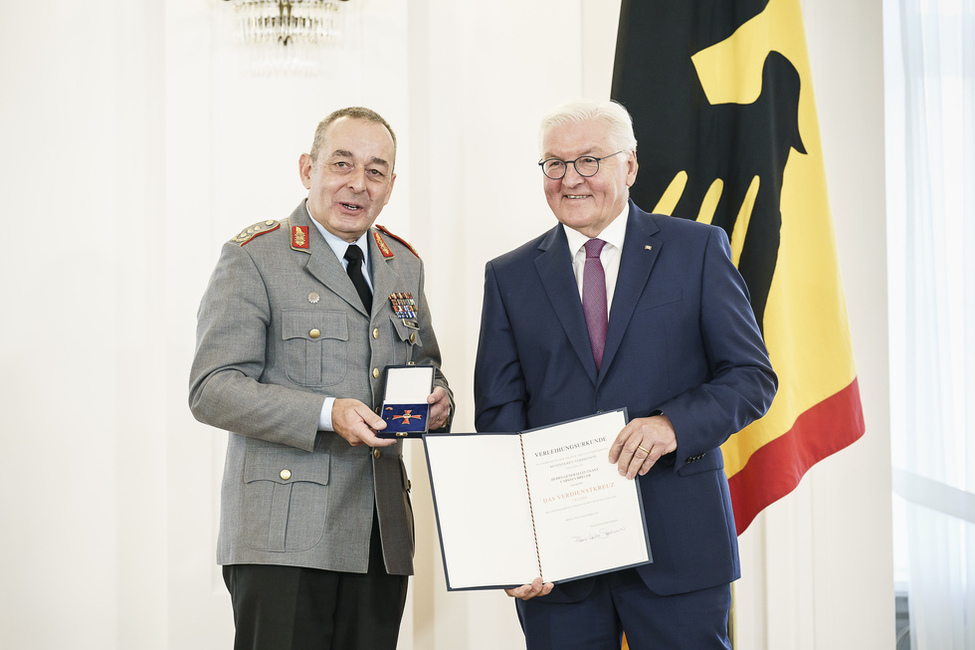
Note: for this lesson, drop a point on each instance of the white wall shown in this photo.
(134, 144)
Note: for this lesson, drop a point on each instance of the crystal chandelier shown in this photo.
(286, 35)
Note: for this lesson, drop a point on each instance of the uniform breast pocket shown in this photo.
(285, 498)
(316, 346)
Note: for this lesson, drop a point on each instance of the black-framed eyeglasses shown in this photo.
(586, 166)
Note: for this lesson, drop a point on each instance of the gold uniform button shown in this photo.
(375, 373)
(375, 333)
(315, 333)
(413, 337)
(409, 485)
(375, 453)
(285, 474)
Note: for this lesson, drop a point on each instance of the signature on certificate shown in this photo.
(601, 533)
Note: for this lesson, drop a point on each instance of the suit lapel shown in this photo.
(554, 266)
(640, 251)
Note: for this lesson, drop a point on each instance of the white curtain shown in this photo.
(931, 258)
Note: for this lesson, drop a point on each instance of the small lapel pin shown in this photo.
(648, 247)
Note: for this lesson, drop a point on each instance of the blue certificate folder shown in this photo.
(545, 502)
(405, 407)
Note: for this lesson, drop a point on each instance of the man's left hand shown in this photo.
(641, 443)
(439, 403)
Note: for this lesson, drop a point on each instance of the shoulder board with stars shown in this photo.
(382, 244)
(259, 228)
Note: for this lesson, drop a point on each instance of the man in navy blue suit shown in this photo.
(611, 308)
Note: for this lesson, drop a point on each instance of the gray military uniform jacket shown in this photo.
(279, 328)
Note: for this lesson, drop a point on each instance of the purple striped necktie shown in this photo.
(594, 298)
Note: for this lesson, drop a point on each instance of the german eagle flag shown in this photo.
(725, 118)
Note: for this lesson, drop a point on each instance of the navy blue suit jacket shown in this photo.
(682, 338)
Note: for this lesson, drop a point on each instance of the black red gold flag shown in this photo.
(722, 102)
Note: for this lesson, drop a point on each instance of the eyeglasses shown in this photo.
(586, 166)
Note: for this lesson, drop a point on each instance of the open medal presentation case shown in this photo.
(405, 407)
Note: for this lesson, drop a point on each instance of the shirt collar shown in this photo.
(613, 234)
(339, 245)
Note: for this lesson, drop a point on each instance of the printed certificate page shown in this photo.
(585, 517)
(481, 503)
(588, 518)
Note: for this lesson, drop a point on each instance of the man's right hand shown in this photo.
(357, 423)
(528, 591)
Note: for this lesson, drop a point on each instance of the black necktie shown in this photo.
(354, 255)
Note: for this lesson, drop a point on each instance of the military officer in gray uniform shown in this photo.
(294, 332)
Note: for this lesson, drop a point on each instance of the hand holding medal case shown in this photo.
(405, 407)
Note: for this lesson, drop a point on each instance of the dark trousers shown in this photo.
(294, 608)
(621, 601)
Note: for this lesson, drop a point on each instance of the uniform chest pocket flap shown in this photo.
(316, 346)
(408, 333)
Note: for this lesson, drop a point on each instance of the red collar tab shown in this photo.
(383, 248)
(299, 237)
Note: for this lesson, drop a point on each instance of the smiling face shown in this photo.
(588, 204)
(351, 177)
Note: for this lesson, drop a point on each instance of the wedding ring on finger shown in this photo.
(645, 450)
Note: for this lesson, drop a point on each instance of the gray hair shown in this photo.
(354, 112)
(620, 123)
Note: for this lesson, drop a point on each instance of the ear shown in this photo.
(305, 164)
(389, 192)
(631, 168)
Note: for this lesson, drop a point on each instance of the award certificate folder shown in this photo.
(405, 407)
(546, 502)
